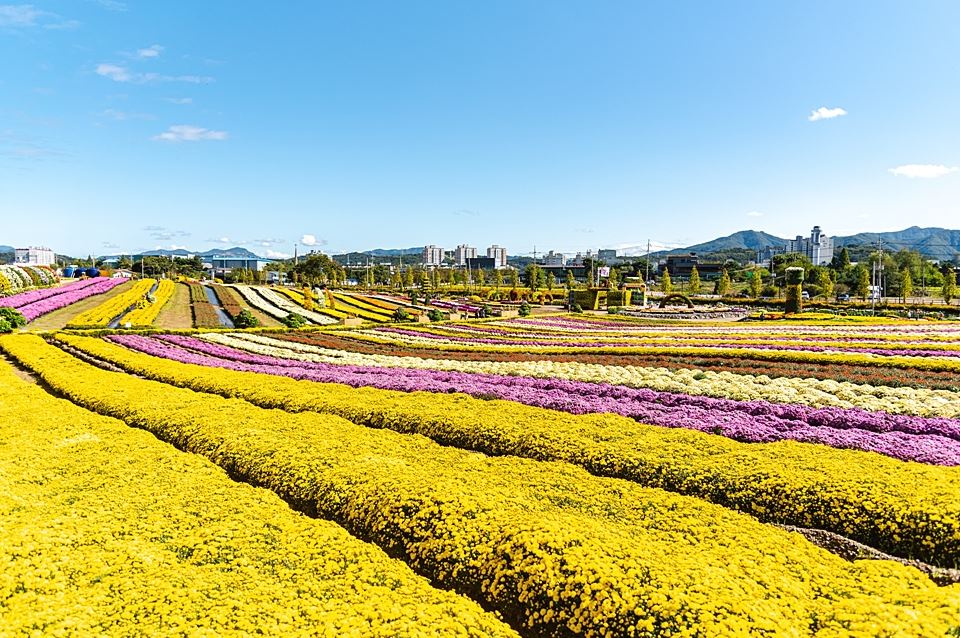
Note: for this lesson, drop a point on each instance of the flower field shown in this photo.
(550, 476)
(36, 303)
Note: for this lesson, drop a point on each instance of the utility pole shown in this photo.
(647, 276)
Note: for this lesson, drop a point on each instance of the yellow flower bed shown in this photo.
(146, 314)
(100, 316)
(795, 356)
(298, 297)
(106, 531)
(906, 509)
(552, 548)
(354, 306)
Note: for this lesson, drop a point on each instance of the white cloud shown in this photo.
(187, 133)
(754, 213)
(273, 254)
(308, 240)
(119, 73)
(25, 16)
(225, 240)
(152, 51)
(923, 171)
(823, 113)
(115, 72)
(179, 100)
(124, 115)
(112, 5)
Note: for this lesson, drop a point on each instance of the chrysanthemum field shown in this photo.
(561, 475)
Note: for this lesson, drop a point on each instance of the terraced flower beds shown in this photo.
(101, 315)
(106, 531)
(36, 303)
(583, 475)
(552, 548)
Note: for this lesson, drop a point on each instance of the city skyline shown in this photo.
(128, 126)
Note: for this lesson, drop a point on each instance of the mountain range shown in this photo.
(934, 243)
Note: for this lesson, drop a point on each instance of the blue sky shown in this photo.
(566, 125)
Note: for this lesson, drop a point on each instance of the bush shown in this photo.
(293, 320)
(524, 310)
(613, 310)
(400, 315)
(435, 315)
(13, 318)
(576, 308)
(5, 326)
(245, 319)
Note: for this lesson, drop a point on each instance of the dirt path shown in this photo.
(176, 315)
(57, 319)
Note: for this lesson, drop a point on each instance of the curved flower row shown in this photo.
(555, 550)
(109, 532)
(353, 306)
(906, 509)
(907, 438)
(17, 278)
(32, 296)
(146, 311)
(101, 315)
(285, 304)
(819, 393)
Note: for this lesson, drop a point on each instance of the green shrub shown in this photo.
(245, 319)
(435, 315)
(13, 318)
(400, 315)
(293, 320)
(524, 310)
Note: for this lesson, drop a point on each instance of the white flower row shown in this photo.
(284, 303)
(727, 385)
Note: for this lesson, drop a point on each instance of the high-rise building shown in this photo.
(432, 255)
(818, 247)
(499, 255)
(554, 259)
(608, 255)
(34, 256)
(464, 253)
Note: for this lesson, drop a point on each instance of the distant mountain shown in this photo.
(6, 249)
(393, 252)
(236, 251)
(935, 243)
(744, 239)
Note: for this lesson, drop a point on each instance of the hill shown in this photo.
(744, 239)
(935, 243)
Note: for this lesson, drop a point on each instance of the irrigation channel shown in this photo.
(116, 322)
(222, 315)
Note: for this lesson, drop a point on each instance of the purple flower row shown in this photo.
(32, 296)
(99, 286)
(925, 440)
(535, 340)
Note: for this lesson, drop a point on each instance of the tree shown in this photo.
(694, 281)
(481, 277)
(949, 289)
(551, 281)
(533, 275)
(756, 282)
(841, 260)
(396, 280)
(820, 277)
(723, 284)
(498, 279)
(613, 279)
(451, 276)
(906, 284)
(514, 278)
(861, 282)
(571, 281)
(666, 286)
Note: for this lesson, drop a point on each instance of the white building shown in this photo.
(499, 256)
(432, 255)
(34, 256)
(818, 247)
(464, 253)
(554, 259)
